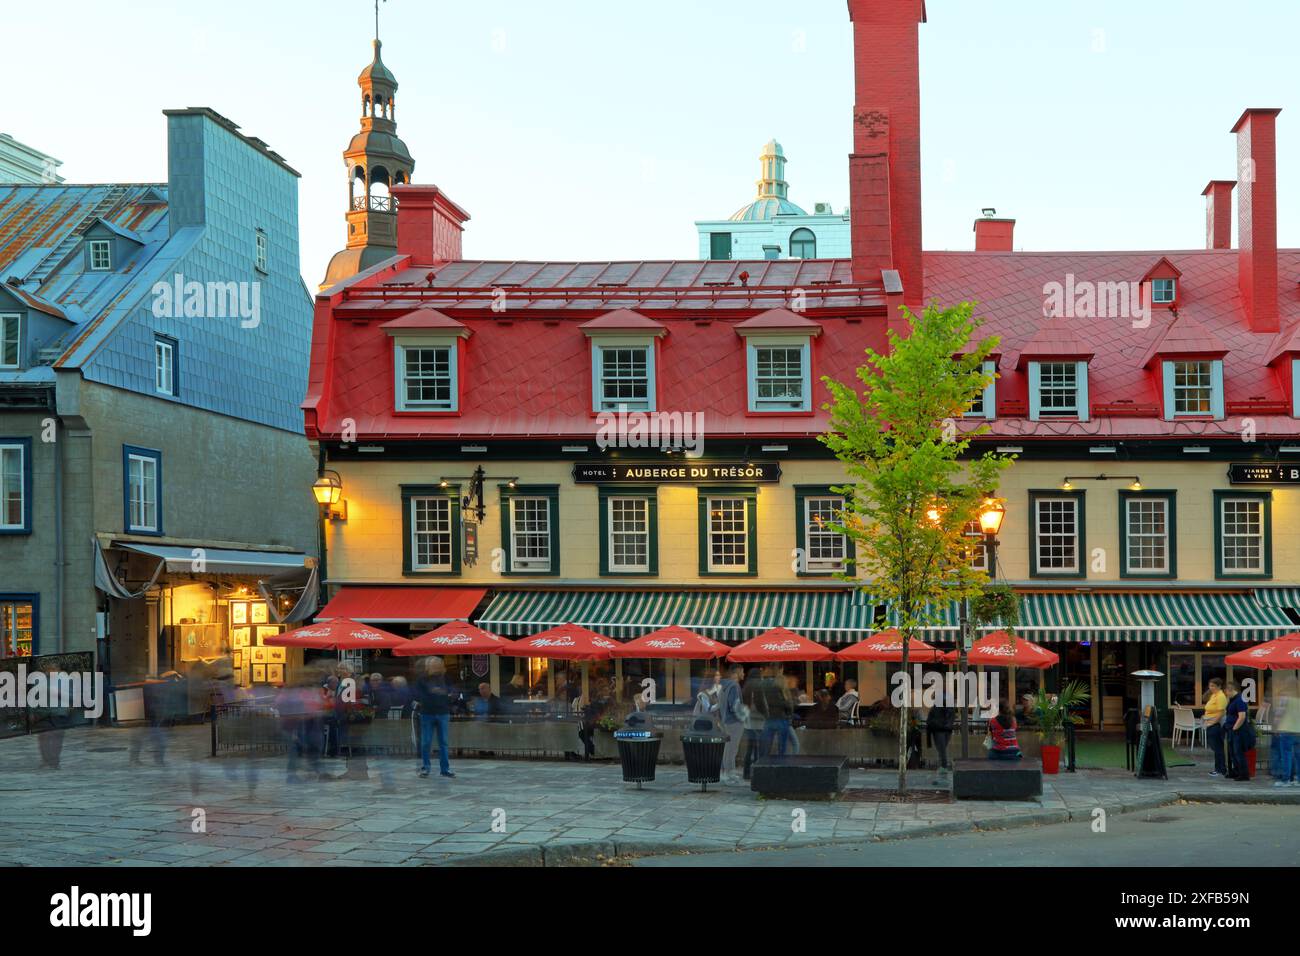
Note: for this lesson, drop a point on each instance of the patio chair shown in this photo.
(1186, 722)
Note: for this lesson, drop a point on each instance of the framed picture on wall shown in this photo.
(275, 673)
(260, 655)
(237, 660)
(241, 676)
(258, 615)
(238, 612)
(264, 632)
(277, 655)
(240, 637)
(259, 673)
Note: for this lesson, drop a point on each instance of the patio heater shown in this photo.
(1150, 758)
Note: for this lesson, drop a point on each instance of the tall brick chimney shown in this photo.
(429, 225)
(885, 167)
(1257, 217)
(1218, 213)
(994, 235)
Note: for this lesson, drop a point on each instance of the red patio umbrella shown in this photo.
(888, 646)
(1000, 649)
(779, 644)
(454, 637)
(339, 634)
(1280, 654)
(675, 642)
(569, 642)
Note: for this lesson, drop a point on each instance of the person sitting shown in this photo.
(824, 715)
(848, 703)
(399, 695)
(486, 705)
(518, 686)
(1002, 733)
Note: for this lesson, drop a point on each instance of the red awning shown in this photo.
(380, 605)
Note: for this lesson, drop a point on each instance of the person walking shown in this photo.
(777, 707)
(731, 714)
(1216, 705)
(940, 722)
(1241, 735)
(755, 717)
(433, 697)
(1286, 728)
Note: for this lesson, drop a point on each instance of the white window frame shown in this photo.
(400, 347)
(97, 246)
(812, 530)
(742, 565)
(802, 343)
(262, 251)
(1261, 515)
(988, 408)
(644, 504)
(5, 449)
(142, 460)
(1040, 537)
(14, 321)
(1080, 409)
(164, 367)
(598, 347)
(1169, 375)
(1157, 299)
(979, 559)
(1131, 537)
(530, 565)
(449, 534)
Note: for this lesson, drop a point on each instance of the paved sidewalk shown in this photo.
(100, 810)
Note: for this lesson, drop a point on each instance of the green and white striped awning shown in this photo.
(827, 616)
(1279, 597)
(1132, 617)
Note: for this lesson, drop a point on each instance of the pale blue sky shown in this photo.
(595, 129)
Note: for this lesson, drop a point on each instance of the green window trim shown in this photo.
(1171, 527)
(750, 495)
(1266, 498)
(1081, 554)
(409, 494)
(647, 493)
(801, 495)
(508, 494)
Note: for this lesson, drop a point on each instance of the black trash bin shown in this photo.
(703, 746)
(638, 752)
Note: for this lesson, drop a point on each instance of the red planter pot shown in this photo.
(1051, 759)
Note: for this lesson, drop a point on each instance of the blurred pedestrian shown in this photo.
(940, 722)
(1241, 735)
(433, 697)
(755, 716)
(731, 715)
(1216, 706)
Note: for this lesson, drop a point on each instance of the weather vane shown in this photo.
(377, 2)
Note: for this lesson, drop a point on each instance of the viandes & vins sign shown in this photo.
(684, 472)
(1265, 473)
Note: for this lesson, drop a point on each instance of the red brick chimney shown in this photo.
(994, 235)
(1218, 213)
(429, 225)
(1257, 217)
(885, 167)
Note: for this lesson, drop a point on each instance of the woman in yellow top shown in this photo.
(1216, 705)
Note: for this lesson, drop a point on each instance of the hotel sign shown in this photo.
(684, 472)
(1264, 474)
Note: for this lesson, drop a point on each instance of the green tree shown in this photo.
(914, 489)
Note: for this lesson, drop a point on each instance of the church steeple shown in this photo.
(376, 160)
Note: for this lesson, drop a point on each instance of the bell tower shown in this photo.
(376, 160)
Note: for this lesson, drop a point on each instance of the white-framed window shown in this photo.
(1057, 544)
(629, 535)
(432, 541)
(1242, 537)
(262, 251)
(1058, 389)
(142, 492)
(985, 406)
(780, 378)
(13, 486)
(1147, 535)
(728, 544)
(623, 376)
(164, 365)
(977, 547)
(827, 550)
(10, 327)
(426, 376)
(530, 534)
(1193, 387)
(1163, 291)
(101, 255)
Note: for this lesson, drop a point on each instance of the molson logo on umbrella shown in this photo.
(663, 644)
(782, 647)
(564, 641)
(458, 640)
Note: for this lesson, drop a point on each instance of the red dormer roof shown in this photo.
(624, 320)
(425, 320)
(779, 320)
(1185, 336)
(1056, 340)
(1287, 342)
(1163, 269)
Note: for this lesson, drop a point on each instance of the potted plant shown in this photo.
(883, 725)
(1053, 712)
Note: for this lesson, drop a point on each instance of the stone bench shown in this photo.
(996, 780)
(800, 778)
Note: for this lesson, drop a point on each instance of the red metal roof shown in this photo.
(397, 605)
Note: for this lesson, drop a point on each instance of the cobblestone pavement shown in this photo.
(99, 809)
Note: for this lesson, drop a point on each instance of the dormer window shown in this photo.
(779, 375)
(9, 329)
(1193, 387)
(261, 251)
(1160, 284)
(1058, 390)
(426, 375)
(101, 255)
(1164, 291)
(985, 406)
(623, 375)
